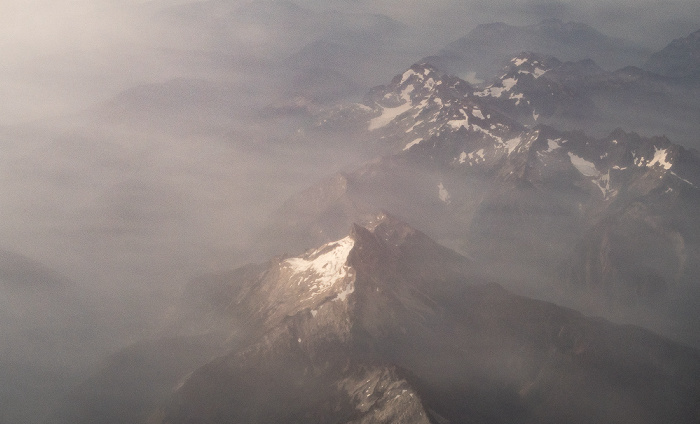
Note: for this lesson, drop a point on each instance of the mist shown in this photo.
(61, 57)
(144, 144)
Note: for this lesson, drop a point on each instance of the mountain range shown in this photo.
(525, 198)
(522, 248)
(489, 46)
(385, 325)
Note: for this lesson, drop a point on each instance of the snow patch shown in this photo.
(474, 157)
(421, 105)
(443, 194)
(388, 115)
(512, 144)
(413, 126)
(477, 113)
(660, 158)
(603, 184)
(350, 288)
(496, 138)
(462, 157)
(490, 91)
(639, 161)
(413, 143)
(519, 62)
(508, 83)
(553, 145)
(583, 166)
(456, 124)
(538, 72)
(408, 74)
(496, 91)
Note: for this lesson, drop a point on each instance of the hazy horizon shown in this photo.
(64, 56)
(141, 143)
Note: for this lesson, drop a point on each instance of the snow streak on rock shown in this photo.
(413, 143)
(443, 194)
(389, 113)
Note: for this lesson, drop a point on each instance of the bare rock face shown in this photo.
(380, 396)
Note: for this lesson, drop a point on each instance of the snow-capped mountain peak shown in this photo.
(307, 282)
(320, 272)
(530, 63)
(422, 90)
(525, 66)
(422, 105)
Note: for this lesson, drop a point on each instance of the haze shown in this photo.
(141, 143)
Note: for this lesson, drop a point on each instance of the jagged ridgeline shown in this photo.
(607, 225)
(385, 325)
(548, 273)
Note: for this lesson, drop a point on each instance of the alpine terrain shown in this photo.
(385, 325)
(352, 213)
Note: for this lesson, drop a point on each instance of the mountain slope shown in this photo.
(129, 384)
(523, 201)
(53, 332)
(385, 325)
(680, 59)
(535, 88)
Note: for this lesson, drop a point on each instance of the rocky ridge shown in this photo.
(408, 343)
(502, 192)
